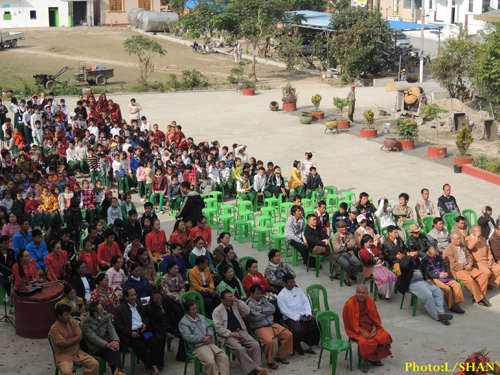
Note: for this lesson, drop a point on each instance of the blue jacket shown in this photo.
(179, 261)
(38, 253)
(21, 242)
(134, 164)
(142, 287)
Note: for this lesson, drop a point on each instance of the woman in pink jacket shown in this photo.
(141, 180)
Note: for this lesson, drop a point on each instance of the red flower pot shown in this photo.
(462, 161)
(248, 92)
(318, 115)
(344, 124)
(368, 133)
(406, 145)
(289, 106)
(436, 152)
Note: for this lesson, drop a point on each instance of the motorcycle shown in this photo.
(197, 48)
(209, 47)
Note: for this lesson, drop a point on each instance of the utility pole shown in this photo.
(422, 28)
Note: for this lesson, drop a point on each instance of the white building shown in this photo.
(45, 13)
(452, 13)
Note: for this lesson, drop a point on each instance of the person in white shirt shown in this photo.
(259, 184)
(383, 214)
(297, 315)
(64, 107)
(145, 125)
(240, 152)
(134, 109)
(93, 129)
(115, 130)
(81, 152)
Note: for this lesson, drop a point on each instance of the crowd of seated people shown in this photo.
(60, 221)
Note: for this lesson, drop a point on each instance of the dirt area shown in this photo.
(48, 50)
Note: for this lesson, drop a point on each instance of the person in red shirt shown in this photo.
(159, 135)
(57, 263)
(107, 249)
(24, 270)
(89, 257)
(202, 230)
(254, 277)
(156, 242)
(180, 234)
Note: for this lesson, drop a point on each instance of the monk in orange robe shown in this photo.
(362, 323)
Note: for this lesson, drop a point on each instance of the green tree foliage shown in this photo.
(145, 49)
(318, 5)
(204, 19)
(453, 67)
(486, 68)
(360, 37)
(178, 6)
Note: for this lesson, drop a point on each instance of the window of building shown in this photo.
(145, 4)
(418, 4)
(486, 6)
(116, 6)
(7, 16)
(430, 4)
(407, 4)
(33, 14)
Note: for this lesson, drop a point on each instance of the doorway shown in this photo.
(79, 12)
(54, 17)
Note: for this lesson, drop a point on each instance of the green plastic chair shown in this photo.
(413, 302)
(373, 284)
(332, 341)
(406, 225)
(243, 262)
(449, 220)
(196, 361)
(133, 359)
(360, 359)
(427, 223)
(342, 271)
(313, 293)
(319, 259)
(54, 356)
(349, 196)
(470, 217)
(158, 283)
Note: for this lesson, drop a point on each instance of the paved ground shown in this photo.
(346, 161)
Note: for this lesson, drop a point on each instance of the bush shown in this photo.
(369, 117)
(192, 79)
(490, 165)
(463, 140)
(289, 94)
(407, 129)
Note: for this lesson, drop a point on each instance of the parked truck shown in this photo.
(9, 39)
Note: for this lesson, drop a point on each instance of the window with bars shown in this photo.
(407, 4)
(145, 4)
(116, 6)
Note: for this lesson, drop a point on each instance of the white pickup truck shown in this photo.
(9, 39)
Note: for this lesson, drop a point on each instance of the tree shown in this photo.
(203, 20)
(361, 37)
(453, 67)
(318, 5)
(486, 68)
(254, 19)
(145, 49)
(178, 6)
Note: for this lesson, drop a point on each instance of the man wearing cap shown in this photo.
(351, 222)
(435, 268)
(418, 241)
(403, 75)
(351, 96)
(364, 229)
(343, 245)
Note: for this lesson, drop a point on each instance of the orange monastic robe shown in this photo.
(377, 347)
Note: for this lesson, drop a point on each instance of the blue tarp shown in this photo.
(322, 20)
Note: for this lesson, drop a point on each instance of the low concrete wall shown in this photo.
(481, 173)
(382, 82)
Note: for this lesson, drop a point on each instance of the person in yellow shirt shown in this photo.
(72, 300)
(48, 203)
(296, 182)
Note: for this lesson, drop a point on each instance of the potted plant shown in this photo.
(408, 133)
(248, 88)
(306, 117)
(289, 97)
(463, 140)
(432, 112)
(369, 132)
(317, 114)
(341, 103)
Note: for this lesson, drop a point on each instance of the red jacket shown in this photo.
(249, 280)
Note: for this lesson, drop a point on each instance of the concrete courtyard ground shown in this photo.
(344, 160)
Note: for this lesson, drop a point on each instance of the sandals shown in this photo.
(364, 368)
(272, 366)
(281, 360)
(376, 363)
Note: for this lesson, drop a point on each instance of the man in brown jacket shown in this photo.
(66, 335)
(495, 242)
(402, 213)
(461, 227)
(343, 246)
(424, 206)
(459, 263)
(483, 259)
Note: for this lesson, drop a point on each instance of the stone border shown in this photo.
(481, 173)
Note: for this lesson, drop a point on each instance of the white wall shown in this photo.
(20, 12)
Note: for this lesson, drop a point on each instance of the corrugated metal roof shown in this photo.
(491, 16)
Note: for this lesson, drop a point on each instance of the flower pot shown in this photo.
(289, 106)
(274, 106)
(368, 133)
(248, 92)
(318, 115)
(306, 119)
(406, 145)
(332, 125)
(304, 113)
(461, 161)
(436, 152)
(457, 168)
(344, 124)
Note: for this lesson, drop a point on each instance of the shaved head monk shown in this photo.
(483, 258)
(363, 324)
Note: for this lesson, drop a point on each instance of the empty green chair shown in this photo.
(349, 196)
(470, 217)
(261, 232)
(217, 195)
(331, 189)
(314, 292)
(318, 258)
(332, 202)
(331, 340)
(427, 223)
(226, 221)
(211, 202)
(413, 302)
(307, 202)
(227, 209)
(449, 220)
(243, 230)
